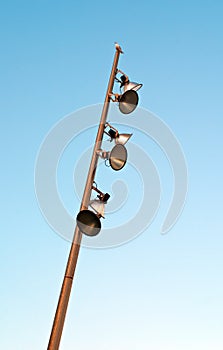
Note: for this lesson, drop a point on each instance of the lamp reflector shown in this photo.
(131, 85)
(118, 157)
(122, 138)
(128, 101)
(88, 223)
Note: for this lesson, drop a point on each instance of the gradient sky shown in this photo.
(156, 292)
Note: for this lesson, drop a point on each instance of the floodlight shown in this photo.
(129, 85)
(117, 157)
(122, 138)
(98, 204)
(128, 101)
(88, 222)
(114, 135)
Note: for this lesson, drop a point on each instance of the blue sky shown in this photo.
(156, 292)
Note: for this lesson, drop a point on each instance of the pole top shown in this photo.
(118, 47)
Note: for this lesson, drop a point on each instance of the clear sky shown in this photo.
(156, 292)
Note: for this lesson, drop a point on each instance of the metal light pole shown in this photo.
(60, 314)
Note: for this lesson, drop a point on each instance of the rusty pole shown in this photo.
(57, 328)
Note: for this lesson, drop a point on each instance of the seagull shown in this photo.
(118, 47)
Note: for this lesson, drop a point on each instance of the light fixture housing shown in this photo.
(98, 204)
(128, 101)
(122, 138)
(88, 222)
(129, 85)
(132, 86)
(117, 157)
(114, 135)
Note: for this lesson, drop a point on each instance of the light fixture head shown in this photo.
(115, 136)
(131, 85)
(118, 157)
(128, 101)
(88, 222)
(122, 138)
(98, 204)
(128, 85)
